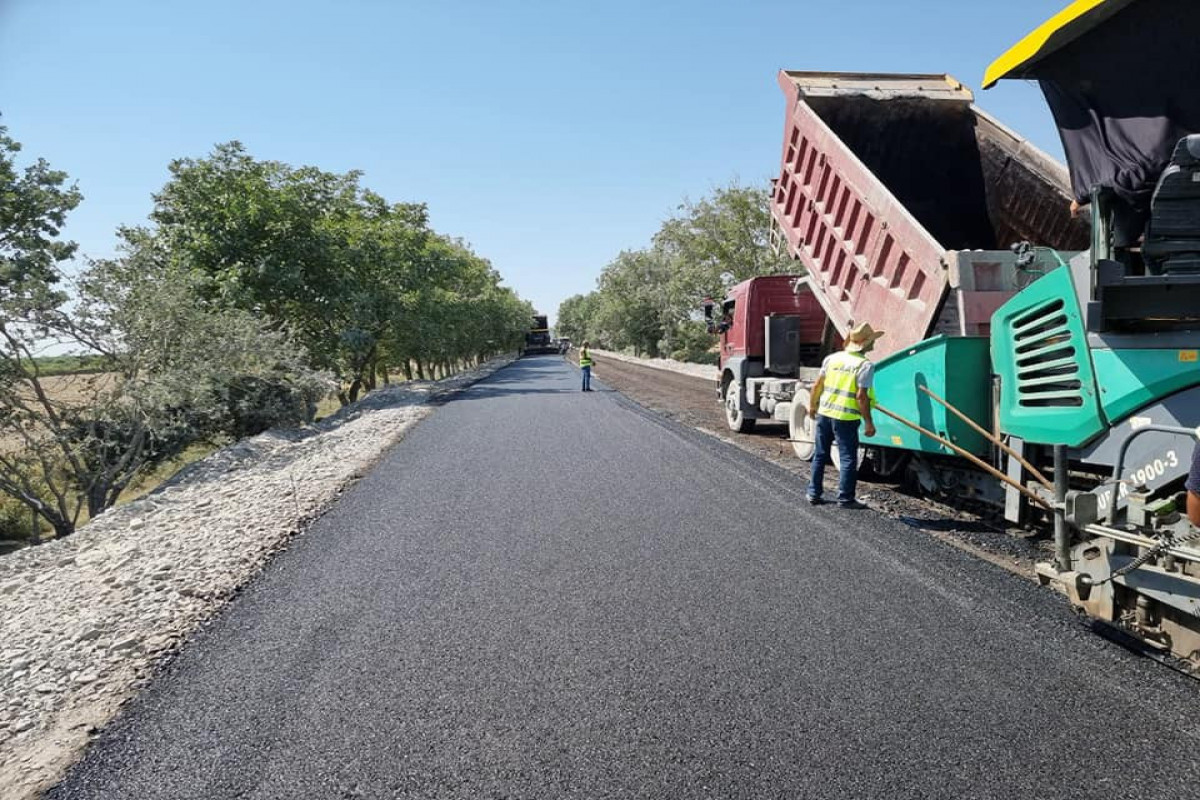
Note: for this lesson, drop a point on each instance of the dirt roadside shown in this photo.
(693, 402)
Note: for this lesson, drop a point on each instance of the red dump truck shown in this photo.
(899, 199)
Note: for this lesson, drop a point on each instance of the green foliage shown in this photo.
(247, 405)
(363, 285)
(628, 314)
(16, 522)
(576, 316)
(694, 343)
(68, 365)
(648, 300)
(34, 203)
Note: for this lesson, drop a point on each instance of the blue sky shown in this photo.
(550, 135)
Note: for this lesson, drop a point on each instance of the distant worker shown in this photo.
(585, 365)
(1193, 489)
(842, 397)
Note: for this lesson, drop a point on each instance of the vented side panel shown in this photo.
(1039, 350)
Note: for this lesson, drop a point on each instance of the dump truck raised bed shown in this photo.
(901, 199)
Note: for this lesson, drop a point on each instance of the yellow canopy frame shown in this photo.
(1061, 29)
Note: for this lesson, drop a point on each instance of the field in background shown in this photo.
(66, 365)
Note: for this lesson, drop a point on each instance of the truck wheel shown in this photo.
(800, 431)
(734, 416)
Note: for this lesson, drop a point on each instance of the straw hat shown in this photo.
(861, 336)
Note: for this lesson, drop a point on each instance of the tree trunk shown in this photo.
(368, 370)
(355, 386)
(420, 370)
(97, 501)
(408, 371)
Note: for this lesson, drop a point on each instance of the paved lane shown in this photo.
(548, 594)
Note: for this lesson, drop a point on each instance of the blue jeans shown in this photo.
(846, 434)
(587, 378)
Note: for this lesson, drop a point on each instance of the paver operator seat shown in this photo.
(1172, 244)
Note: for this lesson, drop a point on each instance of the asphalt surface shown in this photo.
(541, 593)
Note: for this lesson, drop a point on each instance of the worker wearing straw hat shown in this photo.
(842, 399)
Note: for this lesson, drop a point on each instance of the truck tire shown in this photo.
(800, 430)
(735, 418)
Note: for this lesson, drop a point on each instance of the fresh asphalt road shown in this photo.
(541, 593)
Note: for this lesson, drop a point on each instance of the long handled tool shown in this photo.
(969, 456)
(1034, 471)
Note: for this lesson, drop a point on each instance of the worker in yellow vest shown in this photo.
(842, 400)
(585, 365)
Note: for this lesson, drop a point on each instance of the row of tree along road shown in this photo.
(648, 300)
(256, 290)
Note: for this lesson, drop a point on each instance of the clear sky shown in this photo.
(550, 135)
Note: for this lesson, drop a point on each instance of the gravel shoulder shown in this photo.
(87, 619)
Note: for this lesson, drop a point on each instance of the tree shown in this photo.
(176, 371)
(364, 285)
(629, 311)
(265, 237)
(576, 317)
(34, 203)
(648, 300)
(720, 240)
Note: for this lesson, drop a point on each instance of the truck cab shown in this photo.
(772, 329)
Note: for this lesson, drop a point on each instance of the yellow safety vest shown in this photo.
(585, 358)
(839, 399)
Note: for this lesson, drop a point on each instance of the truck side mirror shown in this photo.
(708, 308)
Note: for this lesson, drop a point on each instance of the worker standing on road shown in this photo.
(842, 397)
(585, 365)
